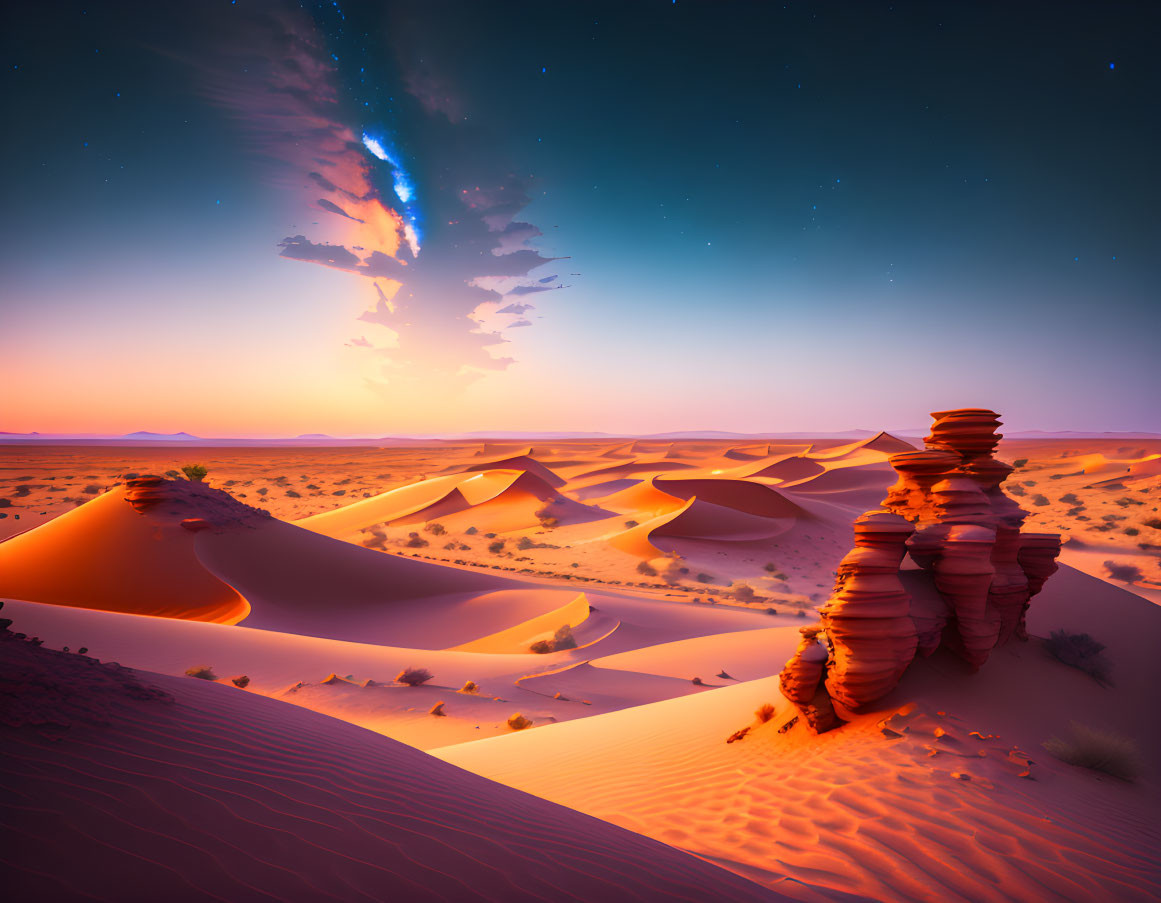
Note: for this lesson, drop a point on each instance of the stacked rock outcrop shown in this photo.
(948, 512)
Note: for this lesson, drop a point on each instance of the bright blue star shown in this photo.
(1112, 65)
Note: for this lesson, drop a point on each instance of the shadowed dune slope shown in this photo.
(108, 556)
(300, 582)
(181, 790)
(741, 495)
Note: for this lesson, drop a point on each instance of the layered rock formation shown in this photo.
(949, 513)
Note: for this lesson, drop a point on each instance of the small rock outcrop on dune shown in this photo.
(949, 513)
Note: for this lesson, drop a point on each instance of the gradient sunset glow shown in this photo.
(268, 220)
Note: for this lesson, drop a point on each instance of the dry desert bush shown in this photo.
(518, 722)
(562, 639)
(195, 472)
(1080, 651)
(205, 672)
(241, 681)
(1101, 751)
(413, 677)
(765, 712)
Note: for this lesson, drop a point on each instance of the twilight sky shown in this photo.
(262, 218)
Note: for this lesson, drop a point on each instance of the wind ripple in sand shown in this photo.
(849, 811)
(109, 795)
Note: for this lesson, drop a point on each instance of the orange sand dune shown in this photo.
(521, 460)
(108, 556)
(880, 442)
(873, 477)
(741, 495)
(176, 789)
(743, 655)
(936, 813)
(519, 638)
(608, 688)
(297, 668)
(499, 500)
(698, 520)
(643, 497)
(794, 467)
(747, 452)
(631, 468)
(300, 582)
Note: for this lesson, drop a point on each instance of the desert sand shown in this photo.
(600, 624)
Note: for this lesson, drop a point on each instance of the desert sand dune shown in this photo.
(521, 460)
(629, 469)
(106, 555)
(499, 500)
(880, 442)
(867, 815)
(234, 797)
(302, 669)
(741, 495)
(788, 469)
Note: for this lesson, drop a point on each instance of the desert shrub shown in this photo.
(415, 541)
(195, 472)
(742, 592)
(413, 677)
(241, 681)
(518, 722)
(644, 567)
(91, 489)
(1080, 651)
(205, 672)
(546, 516)
(496, 547)
(1099, 750)
(1019, 462)
(1039, 499)
(1131, 531)
(1127, 573)
(435, 529)
(470, 687)
(172, 474)
(1070, 498)
(471, 531)
(765, 712)
(562, 639)
(630, 524)
(1017, 489)
(1154, 522)
(526, 543)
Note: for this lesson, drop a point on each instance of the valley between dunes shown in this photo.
(597, 621)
